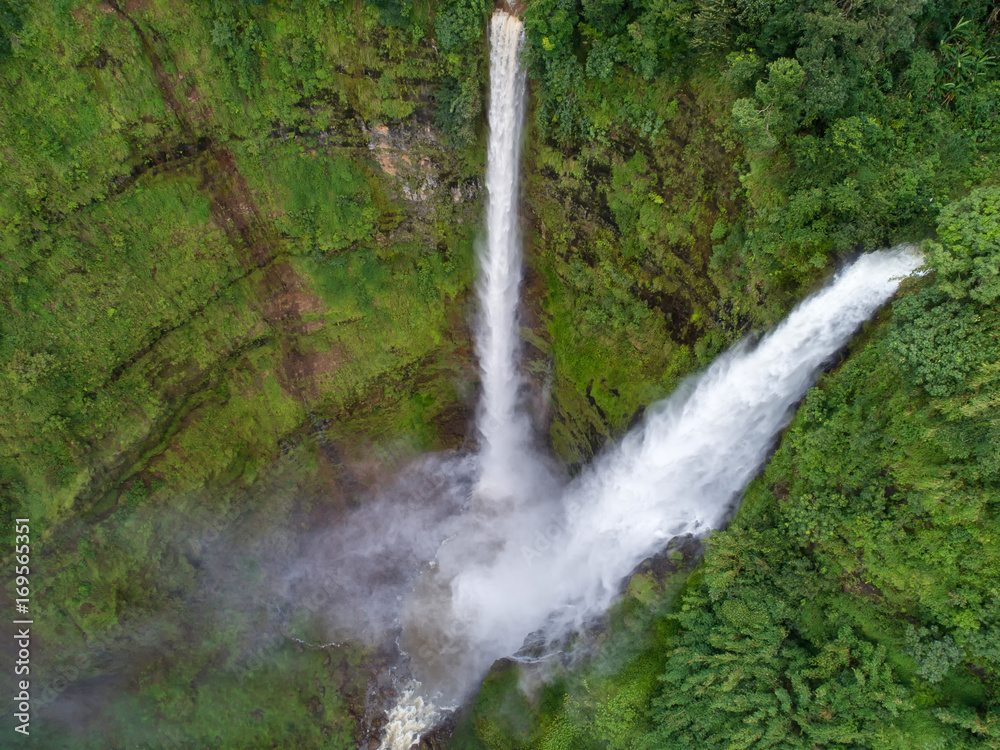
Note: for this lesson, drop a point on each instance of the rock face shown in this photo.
(322, 196)
(419, 169)
(440, 736)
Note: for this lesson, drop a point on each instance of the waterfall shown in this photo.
(503, 426)
(680, 472)
(555, 563)
(551, 558)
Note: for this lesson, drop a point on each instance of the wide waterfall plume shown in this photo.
(557, 563)
(678, 473)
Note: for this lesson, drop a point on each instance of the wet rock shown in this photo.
(420, 164)
(440, 736)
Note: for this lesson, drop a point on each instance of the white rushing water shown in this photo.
(680, 472)
(411, 717)
(503, 425)
(554, 563)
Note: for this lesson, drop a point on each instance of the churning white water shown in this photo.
(553, 564)
(410, 717)
(504, 427)
(680, 472)
(554, 558)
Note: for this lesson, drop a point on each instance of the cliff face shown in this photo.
(235, 273)
(621, 241)
(218, 219)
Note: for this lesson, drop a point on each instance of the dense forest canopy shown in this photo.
(235, 269)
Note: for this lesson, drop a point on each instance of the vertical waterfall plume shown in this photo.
(503, 425)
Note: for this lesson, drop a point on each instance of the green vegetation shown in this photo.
(167, 212)
(233, 263)
(718, 156)
(235, 259)
(851, 602)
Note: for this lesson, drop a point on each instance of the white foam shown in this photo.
(409, 718)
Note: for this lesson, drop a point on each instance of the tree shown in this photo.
(459, 23)
(967, 259)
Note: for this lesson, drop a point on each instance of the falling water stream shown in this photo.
(502, 424)
(533, 558)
